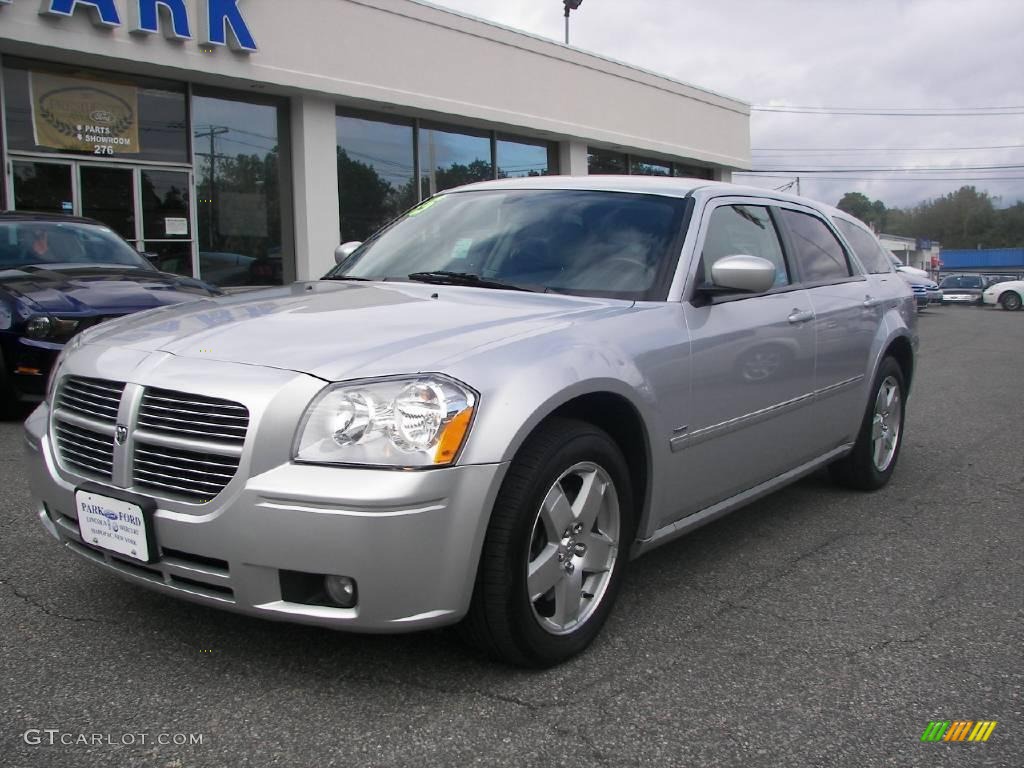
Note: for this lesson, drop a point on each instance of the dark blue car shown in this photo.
(60, 275)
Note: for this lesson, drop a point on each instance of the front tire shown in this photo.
(872, 461)
(1010, 301)
(555, 549)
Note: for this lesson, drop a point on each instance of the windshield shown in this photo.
(962, 281)
(69, 244)
(581, 242)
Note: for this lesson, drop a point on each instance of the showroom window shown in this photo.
(376, 173)
(639, 166)
(240, 146)
(522, 157)
(68, 110)
(450, 157)
(604, 161)
(381, 156)
(693, 171)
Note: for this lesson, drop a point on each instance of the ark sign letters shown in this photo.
(220, 21)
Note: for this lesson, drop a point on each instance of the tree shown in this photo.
(860, 205)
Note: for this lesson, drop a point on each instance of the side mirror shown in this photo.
(345, 250)
(743, 273)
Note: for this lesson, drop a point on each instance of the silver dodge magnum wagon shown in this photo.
(482, 413)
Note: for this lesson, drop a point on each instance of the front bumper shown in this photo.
(410, 539)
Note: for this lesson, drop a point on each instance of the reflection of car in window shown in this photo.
(511, 391)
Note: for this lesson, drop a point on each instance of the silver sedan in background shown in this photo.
(483, 412)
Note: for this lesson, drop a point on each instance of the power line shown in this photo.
(897, 111)
(885, 178)
(859, 169)
(883, 149)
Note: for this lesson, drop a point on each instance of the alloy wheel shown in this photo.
(573, 548)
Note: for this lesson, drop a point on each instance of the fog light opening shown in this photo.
(342, 590)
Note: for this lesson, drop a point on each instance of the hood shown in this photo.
(340, 330)
(113, 290)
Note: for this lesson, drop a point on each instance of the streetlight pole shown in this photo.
(570, 5)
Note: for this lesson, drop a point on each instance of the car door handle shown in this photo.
(800, 316)
(870, 302)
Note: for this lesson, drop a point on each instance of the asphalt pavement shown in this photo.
(817, 627)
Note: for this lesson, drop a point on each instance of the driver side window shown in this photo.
(743, 230)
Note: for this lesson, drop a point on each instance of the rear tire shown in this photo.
(555, 549)
(1010, 301)
(870, 464)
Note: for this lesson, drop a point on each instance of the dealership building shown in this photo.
(241, 140)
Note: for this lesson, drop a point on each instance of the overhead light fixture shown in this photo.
(570, 5)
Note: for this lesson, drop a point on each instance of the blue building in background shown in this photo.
(993, 261)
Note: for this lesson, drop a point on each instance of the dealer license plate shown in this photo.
(112, 524)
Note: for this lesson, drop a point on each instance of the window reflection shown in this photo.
(449, 159)
(376, 174)
(642, 167)
(693, 171)
(518, 158)
(238, 190)
(605, 161)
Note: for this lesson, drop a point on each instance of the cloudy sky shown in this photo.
(874, 55)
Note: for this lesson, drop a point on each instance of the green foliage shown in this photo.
(966, 218)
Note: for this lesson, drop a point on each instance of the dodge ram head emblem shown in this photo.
(121, 434)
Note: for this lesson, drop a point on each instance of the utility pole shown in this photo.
(213, 133)
(570, 5)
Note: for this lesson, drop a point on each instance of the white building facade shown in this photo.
(241, 140)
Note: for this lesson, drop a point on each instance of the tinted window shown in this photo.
(521, 157)
(376, 176)
(603, 161)
(867, 248)
(818, 254)
(238, 146)
(641, 167)
(743, 230)
(450, 158)
(579, 242)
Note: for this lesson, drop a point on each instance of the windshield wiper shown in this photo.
(444, 277)
(349, 277)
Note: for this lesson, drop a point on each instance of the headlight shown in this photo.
(38, 327)
(413, 421)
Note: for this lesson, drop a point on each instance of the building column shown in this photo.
(315, 184)
(572, 158)
(723, 174)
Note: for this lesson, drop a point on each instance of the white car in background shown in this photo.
(1008, 295)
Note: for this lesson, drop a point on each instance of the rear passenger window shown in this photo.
(819, 256)
(745, 230)
(867, 248)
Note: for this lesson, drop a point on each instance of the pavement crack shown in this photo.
(35, 603)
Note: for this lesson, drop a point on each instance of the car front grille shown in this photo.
(86, 450)
(180, 414)
(192, 474)
(181, 445)
(97, 399)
